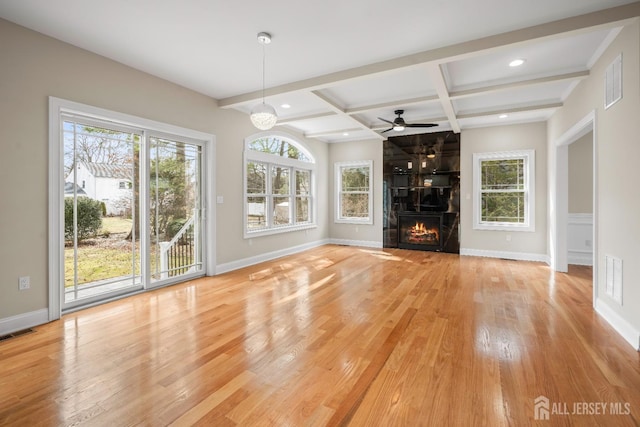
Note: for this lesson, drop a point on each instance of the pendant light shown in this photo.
(263, 116)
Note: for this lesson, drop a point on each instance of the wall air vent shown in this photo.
(613, 82)
(613, 274)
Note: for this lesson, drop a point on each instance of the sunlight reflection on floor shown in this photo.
(385, 256)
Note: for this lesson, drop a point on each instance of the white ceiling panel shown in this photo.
(513, 118)
(332, 123)
(360, 135)
(544, 58)
(399, 85)
(530, 95)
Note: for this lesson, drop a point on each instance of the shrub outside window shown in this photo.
(354, 192)
(279, 191)
(504, 190)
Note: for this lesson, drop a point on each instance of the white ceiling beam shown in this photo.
(437, 79)
(392, 104)
(607, 18)
(331, 132)
(509, 110)
(291, 120)
(514, 85)
(339, 110)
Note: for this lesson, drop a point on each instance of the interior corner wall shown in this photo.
(505, 244)
(34, 67)
(616, 158)
(357, 234)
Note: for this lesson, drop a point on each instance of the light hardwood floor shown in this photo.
(332, 336)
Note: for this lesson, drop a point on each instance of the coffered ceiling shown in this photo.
(341, 65)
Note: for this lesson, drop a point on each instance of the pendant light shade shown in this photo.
(263, 116)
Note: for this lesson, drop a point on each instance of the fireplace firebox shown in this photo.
(420, 230)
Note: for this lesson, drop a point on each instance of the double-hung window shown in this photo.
(279, 192)
(504, 190)
(354, 192)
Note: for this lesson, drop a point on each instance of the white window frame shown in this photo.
(529, 191)
(338, 168)
(272, 161)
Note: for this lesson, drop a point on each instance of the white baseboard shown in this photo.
(580, 257)
(624, 328)
(517, 256)
(23, 321)
(363, 243)
(246, 262)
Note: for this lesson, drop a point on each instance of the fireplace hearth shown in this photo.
(420, 230)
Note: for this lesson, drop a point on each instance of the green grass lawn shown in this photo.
(107, 256)
(99, 263)
(115, 224)
(103, 257)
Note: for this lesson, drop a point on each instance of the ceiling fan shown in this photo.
(398, 124)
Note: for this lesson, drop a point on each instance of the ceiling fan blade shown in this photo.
(386, 130)
(385, 120)
(420, 125)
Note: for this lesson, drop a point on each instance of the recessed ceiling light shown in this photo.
(516, 62)
(503, 116)
(345, 134)
(286, 106)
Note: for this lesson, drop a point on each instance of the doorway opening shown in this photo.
(559, 230)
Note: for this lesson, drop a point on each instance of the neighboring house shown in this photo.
(107, 183)
(68, 190)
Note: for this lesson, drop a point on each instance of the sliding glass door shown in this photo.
(132, 210)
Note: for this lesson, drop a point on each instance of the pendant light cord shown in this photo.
(264, 55)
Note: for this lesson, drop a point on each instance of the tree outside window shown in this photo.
(503, 187)
(354, 192)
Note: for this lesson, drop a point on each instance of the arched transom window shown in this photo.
(279, 185)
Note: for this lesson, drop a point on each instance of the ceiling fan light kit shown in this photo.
(263, 116)
(398, 124)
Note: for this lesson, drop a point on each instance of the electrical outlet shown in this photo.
(508, 237)
(24, 283)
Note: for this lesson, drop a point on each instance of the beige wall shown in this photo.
(581, 175)
(361, 150)
(617, 153)
(503, 138)
(34, 67)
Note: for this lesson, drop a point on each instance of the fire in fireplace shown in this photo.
(420, 231)
(421, 234)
